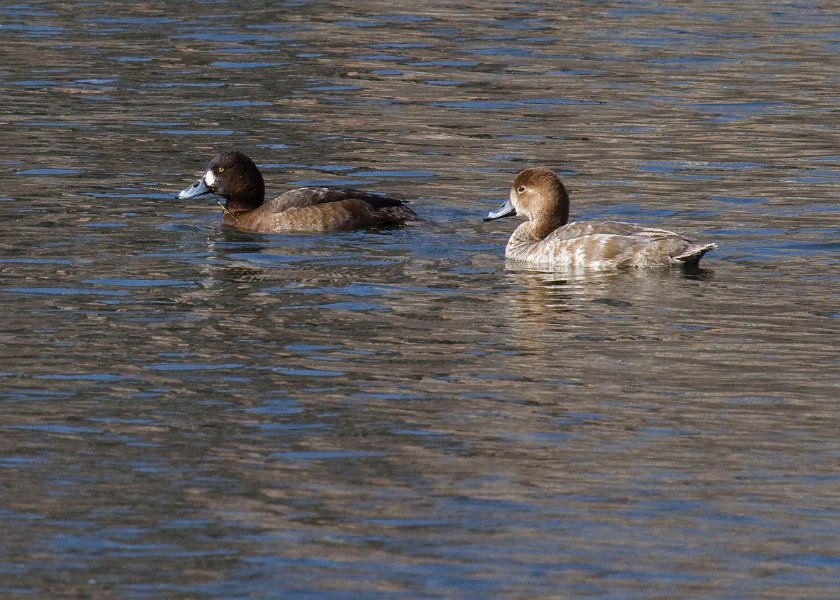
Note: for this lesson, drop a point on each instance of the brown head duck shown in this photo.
(548, 240)
(237, 179)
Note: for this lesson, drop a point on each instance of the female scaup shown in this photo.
(546, 240)
(237, 179)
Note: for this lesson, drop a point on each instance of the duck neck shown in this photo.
(542, 229)
(249, 195)
(551, 216)
(531, 233)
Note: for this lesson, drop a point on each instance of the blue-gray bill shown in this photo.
(199, 188)
(507, 210)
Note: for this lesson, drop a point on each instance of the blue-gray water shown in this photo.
(190, 412)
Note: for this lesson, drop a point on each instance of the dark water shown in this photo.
(190, 412)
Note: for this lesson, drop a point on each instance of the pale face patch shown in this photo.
(209, 178)
(514, 200)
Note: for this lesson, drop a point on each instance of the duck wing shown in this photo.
(610, 244)
(323, 209)
(311, 196)
(576, 230)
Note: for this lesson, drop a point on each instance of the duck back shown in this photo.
(604, 245)
(322, 210)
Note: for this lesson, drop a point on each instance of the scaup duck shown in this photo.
(237, 179)
(546, 240)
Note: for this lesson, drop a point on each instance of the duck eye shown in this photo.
(220, 170)
(520, 189)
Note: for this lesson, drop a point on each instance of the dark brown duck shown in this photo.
(235, 177)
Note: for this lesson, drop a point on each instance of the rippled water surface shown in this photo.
(193, 412)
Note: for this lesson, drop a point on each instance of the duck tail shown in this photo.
(398, 215)
(692, 255)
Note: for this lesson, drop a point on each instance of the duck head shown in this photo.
(539, 195)
(233, 176)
